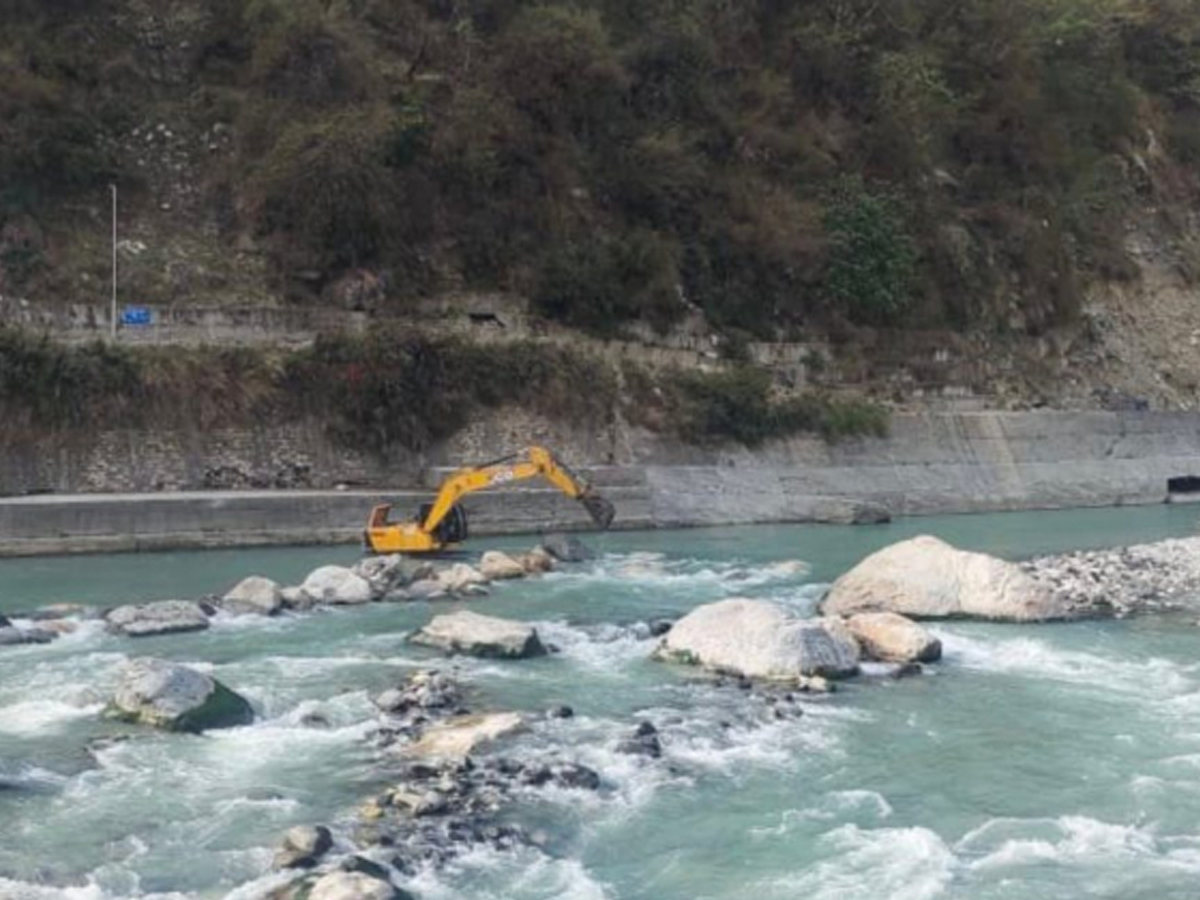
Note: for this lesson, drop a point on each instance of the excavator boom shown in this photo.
(444, 521)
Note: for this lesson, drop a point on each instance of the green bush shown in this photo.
(873, 261)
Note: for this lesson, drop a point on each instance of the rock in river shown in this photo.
(303, 846)
(926, 578)
(760, 639)
(485, 636)
(353, 886)
(458, 737)
(12, 636)
(889, 637)
(161, 617)
(566, 548)
(176, 698)
(461, 578)
(337, 585)
(254, 596)
(496, 566)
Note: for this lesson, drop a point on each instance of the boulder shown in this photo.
(566, 548)
(353, 886)
(176, 698)
(11, 636)
(295, 598)
(760, 639)
(303, 846)
(254, 596)
(161, 617)
(537, 560)
(391, 572)
(337, 585)
(484, 636)
(460, 578)
(496, 566)
(458, 737)
(889, 637)
(926, 578)
(4, 622)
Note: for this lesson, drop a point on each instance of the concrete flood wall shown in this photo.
(931, 463)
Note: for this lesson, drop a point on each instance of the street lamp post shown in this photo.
(113, 319)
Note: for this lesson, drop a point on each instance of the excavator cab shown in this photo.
(443, 522)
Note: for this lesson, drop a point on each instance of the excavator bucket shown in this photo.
(601, 510)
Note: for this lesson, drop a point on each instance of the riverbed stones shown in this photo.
(424, 690)
(338, 586)
(254, 596)
(303, 846)
(175, 698)
(353, 886)
(889, 637)
(567, 548)
(488, 637)
(762, 640)
(496, 565)
(459, 737)
(926, 578)
(160, 617)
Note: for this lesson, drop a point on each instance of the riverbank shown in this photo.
(929, 463)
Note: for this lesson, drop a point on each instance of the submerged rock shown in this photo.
(303, 846)
(926, 578)
(483, 636)
(337, 585)
(173, 697)
(567, 548)
(161, 617)
(889, 637)
(496, 566)
(11, 636)
(52, 611)
(643, 742)
(760, 639)
(458, 737)
(254, 596)
(4, 622)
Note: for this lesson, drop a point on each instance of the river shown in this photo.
(1036, 761)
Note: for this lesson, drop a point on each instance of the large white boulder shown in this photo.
(337, 585)
(486, 636)
(496, 565)
(926, 578)
(391, 572)
(760, 639)
(254, 596)
(160, 617)
(176, 698)
(892, 638)
(459, 737)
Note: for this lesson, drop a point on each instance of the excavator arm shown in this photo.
(533, 462)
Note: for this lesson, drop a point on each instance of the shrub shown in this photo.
(873, 261)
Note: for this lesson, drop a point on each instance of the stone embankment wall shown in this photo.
(931, 463)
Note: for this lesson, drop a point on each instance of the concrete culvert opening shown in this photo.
(1183, 489)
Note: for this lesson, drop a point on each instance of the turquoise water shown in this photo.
(1052, 761)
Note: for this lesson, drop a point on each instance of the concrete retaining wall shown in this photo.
(934, 463)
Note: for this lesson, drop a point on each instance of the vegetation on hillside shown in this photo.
(387, 392)
(964, 163)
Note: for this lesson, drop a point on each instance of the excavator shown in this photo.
(443, 523)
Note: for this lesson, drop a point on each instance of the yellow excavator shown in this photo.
(443, 523)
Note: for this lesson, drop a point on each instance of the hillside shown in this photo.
(993, 198)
